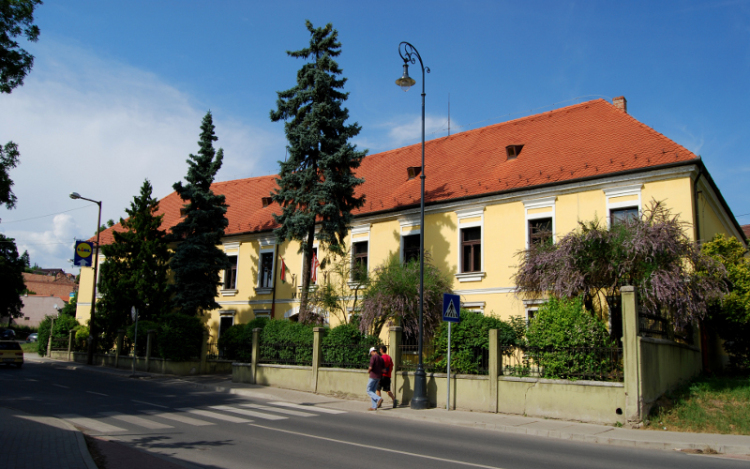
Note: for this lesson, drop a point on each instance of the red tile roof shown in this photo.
(50, 285)
(746, 230)
(585, 140)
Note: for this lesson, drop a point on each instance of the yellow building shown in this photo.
(489, 192)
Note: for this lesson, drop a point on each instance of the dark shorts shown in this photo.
(384, 384)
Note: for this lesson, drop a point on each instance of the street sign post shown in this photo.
(451, 314)
(82, 254)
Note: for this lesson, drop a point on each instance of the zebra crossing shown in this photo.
(165, 418)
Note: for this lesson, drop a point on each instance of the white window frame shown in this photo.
(231, 249)
(477, 306)
(546, 202)
(262, 313)
(359, 231)
(265, 250)
(409, 227)
(226, 313)
(623, 191)
(99, 276)
(532, 306)
(463, 215)
(302, 269)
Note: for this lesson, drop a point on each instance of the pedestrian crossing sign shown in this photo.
(451, 308)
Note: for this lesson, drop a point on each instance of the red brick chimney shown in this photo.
(621, 103)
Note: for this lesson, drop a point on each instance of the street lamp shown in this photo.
(92, 323)
(410, 55)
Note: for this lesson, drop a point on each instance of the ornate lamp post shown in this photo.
(92, 323)
(409, 54)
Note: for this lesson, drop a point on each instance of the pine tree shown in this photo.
(136, 265)
(197, 260)
(317, 182)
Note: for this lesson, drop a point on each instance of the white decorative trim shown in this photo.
(262, 313)
(232, 303)
(473, 212)
(227, 312)
(473, 305)
(540, 203)
(231, 292)
(486, 291)
(533, 204)
(361, 229)
(272, 250)
(622, 191)
(266, 241)
(266, 302)
(407, 221)
(535, 301)
(470, 276)
(233, 246)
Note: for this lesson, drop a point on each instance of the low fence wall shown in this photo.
(151, 365)
(664, 365)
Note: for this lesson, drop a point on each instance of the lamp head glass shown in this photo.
(406, 82)
(75, 195)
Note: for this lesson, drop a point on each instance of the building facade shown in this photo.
(489, 193)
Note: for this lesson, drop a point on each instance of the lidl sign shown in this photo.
(82, 255)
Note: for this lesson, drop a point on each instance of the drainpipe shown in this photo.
(697, 208)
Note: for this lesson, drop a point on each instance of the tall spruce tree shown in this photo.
(197, 260)
(317, 181)
(135, 270)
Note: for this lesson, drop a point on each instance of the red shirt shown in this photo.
(388, 365)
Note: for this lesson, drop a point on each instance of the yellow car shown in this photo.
(11, 353)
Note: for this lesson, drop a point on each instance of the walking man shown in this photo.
(385, 381)
(376, 372)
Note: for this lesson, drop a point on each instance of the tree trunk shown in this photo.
(306, 271)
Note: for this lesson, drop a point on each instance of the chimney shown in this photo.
(621, 103)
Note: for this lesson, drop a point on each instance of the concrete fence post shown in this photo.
(317, 335)
(494, 369)
(49, 339)
(149, 345)
(394, 338)
(71, 334)
(631, 354)
(204, 353)
(118, 345)
(255, 355)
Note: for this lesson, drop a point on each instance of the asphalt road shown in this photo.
(198, 428)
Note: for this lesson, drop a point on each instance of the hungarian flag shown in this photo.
(314, 268)
(283, 270)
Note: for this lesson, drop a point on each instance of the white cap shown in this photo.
(372, 349)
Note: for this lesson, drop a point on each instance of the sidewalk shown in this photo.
(548, 428)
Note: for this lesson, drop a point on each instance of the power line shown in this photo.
(45, 216)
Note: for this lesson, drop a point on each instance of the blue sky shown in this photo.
(119, 88)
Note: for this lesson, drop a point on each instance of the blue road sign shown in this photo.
(82, 255)
(451, 308)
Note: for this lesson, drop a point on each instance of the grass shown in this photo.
(30, 347)
(716, 404)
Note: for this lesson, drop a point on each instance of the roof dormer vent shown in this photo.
(183, 212)
(513, 151)
(413, 171)
(266, 201)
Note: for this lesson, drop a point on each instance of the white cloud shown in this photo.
(100, 127)
(408, 130)
(56, 242)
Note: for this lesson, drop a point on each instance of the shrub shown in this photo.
(81, 338)
(345, 346)
(233, 346)
(63, 325)
(561, 337)
(143, 328)
(469, 339)
(287, 342)
(180, 337)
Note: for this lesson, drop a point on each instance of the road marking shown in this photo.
(135, 420)
(251, 413)
(179, 418)
(60, 386)
(148, 403)
(376, 448)
(309, 407)
(98, 393)
(215, 415)
(91, 424)
(280, 411)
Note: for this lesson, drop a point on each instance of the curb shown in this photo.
(81, 445)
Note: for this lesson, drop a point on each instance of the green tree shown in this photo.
(12, 267)
(71, 306)
(8, 160)
(135, 269)
(197, 260)
(341, 291)
(393, 297)
(731, 315)
(316, 182)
